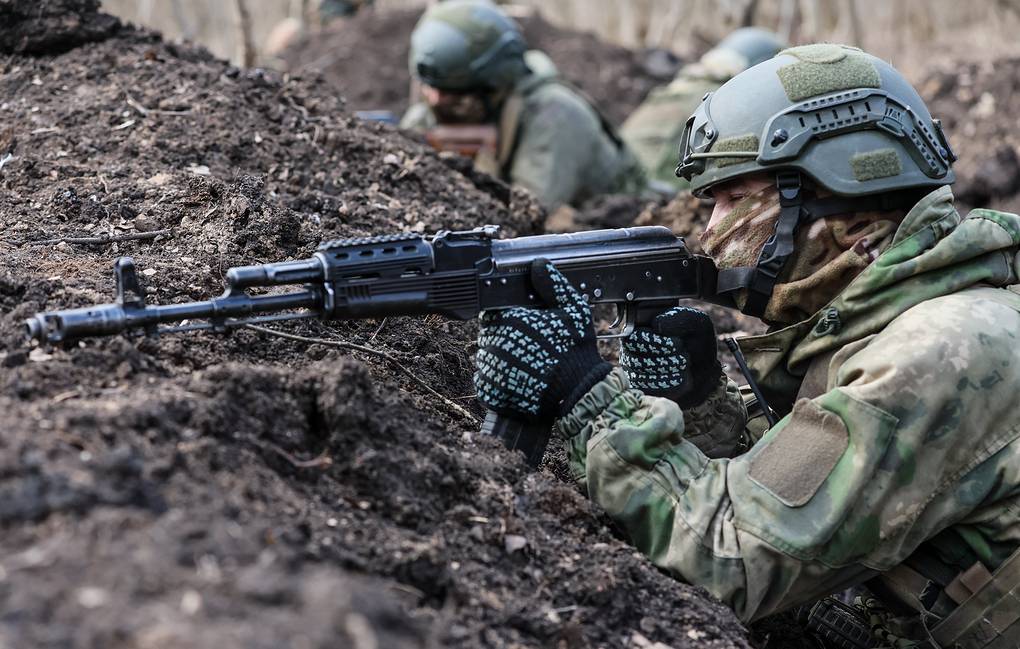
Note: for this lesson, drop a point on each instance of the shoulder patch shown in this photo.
(797, 460)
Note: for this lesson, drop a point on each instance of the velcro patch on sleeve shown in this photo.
(882, 163)
(794, 463)
(808, 78)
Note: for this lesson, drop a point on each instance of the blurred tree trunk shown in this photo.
(181, 16)
(144, 11)
(246, 43)
(856, 30)
(787, 16)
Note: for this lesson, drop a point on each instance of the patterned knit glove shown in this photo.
(675, 358)
(535, 364)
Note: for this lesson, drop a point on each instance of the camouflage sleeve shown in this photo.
(845, 486)
(556, 141)
(717, 425)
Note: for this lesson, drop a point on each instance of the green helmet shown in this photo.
(843, 119)
(754, 44)
(467, 45)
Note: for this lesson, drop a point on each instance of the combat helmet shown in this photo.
(467, 45)
(754, 44)
(743, 48)
(844, 120)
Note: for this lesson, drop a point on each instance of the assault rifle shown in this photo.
(642, 270)
(469, 140)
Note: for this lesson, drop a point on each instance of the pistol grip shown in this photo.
(516, 435)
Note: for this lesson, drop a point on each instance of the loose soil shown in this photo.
(244, 490)
(365, 58)
(978, 103)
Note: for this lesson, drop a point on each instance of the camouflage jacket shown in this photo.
(654, 130)
(561, 148)
(905, 436)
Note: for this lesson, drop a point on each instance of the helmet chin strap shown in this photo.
(759, 280)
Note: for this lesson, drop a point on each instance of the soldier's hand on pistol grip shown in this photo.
(534, 364)
(675, 357)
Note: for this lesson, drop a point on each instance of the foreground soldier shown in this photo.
(654, 129)
(892, 361)
(471, 61)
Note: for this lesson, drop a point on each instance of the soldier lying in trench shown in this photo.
(891, 363)
(486, 97)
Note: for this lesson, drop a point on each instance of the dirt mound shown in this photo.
(365, 58)
(52, 25)
(244, 490)
(978, 103)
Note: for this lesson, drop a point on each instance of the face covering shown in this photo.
(828, 253)
(461, 108)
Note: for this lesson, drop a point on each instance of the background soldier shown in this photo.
(509, 109)
(892, 362)
(654, 129)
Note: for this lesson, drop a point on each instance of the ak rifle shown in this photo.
(641, 270)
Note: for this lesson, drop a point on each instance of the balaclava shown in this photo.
(829, 252)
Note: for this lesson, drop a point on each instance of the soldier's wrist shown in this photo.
(702, 384)
(594, 402)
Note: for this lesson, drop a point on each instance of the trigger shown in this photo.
(626, 315)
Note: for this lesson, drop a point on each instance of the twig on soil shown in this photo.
(142, 110)
(322, 460)
(372, 352)
(299, 108)
(378, 329)
(145, 112)
(7, 158)
(102, 239)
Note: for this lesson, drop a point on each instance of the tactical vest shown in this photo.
(513, 110)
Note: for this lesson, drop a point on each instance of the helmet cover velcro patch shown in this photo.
(740, 143)
(824, 69)
(882, 163)
(820, 52)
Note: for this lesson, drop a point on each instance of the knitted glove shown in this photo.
(675, 357)
(535, 364)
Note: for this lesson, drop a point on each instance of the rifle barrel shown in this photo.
(107, 319)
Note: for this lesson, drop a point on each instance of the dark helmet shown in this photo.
(464, 45)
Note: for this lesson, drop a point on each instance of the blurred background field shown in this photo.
(909, 33)
(144, 477)
(963, 57)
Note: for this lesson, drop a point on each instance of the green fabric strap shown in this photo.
(990, 619)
